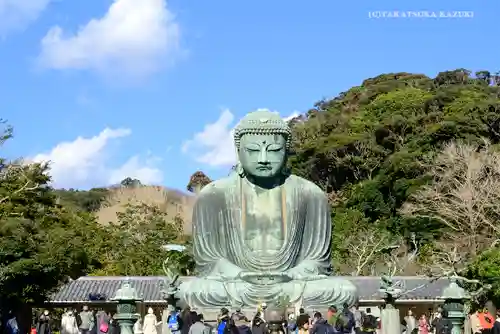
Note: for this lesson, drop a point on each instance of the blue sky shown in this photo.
(169, 80)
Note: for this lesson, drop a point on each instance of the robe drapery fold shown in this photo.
(219, 246)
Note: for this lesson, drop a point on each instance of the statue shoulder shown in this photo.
(216, 188)
(308, 187)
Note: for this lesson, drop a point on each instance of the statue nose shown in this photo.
(263, 157)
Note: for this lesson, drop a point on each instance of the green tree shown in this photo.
(135, 242)
(197, 181)
(86, 200)
(130, 183)
(42, 243)
(486, 268)
(365, 147)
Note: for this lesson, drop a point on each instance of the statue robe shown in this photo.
(221, 251)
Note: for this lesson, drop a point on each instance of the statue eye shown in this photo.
(274, 148)
(252, 148)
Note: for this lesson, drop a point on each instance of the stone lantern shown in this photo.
(126, 311)
(455, 297)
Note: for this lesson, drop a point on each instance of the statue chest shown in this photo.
(263, 221)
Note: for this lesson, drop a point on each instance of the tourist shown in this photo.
(241, 323)
(436, 316)
(102, 322)
(443, 325)
(223, 321)
(150, 322)
(175, 322)
(332, 315)
(199, 326)
(410, 322)
(321, 326)
(12, 325)
(345, 320)
(496, 324)
(114, 328)
(303, 318)
(358, 319)
(86, 320)
(291, 323)
(68, 323)
(137, 329)
(259, 325)
(237, 314)
(44, 323)
(370, 322)
(423, 325)
(304, 329)
(188, 318)
(486, 321)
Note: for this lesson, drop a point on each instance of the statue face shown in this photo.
(262, 156)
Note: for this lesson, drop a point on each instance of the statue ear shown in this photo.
(239, 169)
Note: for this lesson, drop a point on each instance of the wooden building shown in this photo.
(424, 294)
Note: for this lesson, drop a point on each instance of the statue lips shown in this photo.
(266, 278)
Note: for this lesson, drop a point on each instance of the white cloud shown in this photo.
(214, 145)
(16, 14)
(83, 163)
(133, 37)
(136, 169)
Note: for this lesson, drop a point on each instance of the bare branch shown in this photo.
(372, 252)
(465, 197)
(27, 186)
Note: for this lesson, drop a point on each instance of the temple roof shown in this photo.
(148, 288)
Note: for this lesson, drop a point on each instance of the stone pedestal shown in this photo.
(391, 323)
(455, 298)
(126, 310)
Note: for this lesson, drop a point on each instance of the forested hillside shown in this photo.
(377, 150)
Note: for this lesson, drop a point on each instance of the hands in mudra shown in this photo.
(267, 277)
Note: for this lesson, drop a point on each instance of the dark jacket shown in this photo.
(244, 329)
(259, 327)
(188, 318)
(443, 326)
(321, 326)
(496, 328)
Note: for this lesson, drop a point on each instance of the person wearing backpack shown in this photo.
(174, 322)
(369, 323)
(345, 321)
(321, 326)
(332, 316)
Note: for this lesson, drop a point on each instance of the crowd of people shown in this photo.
(335, 321)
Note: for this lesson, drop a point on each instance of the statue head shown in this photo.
(262, 140)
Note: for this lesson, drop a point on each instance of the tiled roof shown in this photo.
(148, 287)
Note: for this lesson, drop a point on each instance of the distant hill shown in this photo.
(172, 201)
(106, 202)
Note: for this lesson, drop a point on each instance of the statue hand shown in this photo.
(284, 276)
(301, 277)
(214, 278)
(245, 275)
